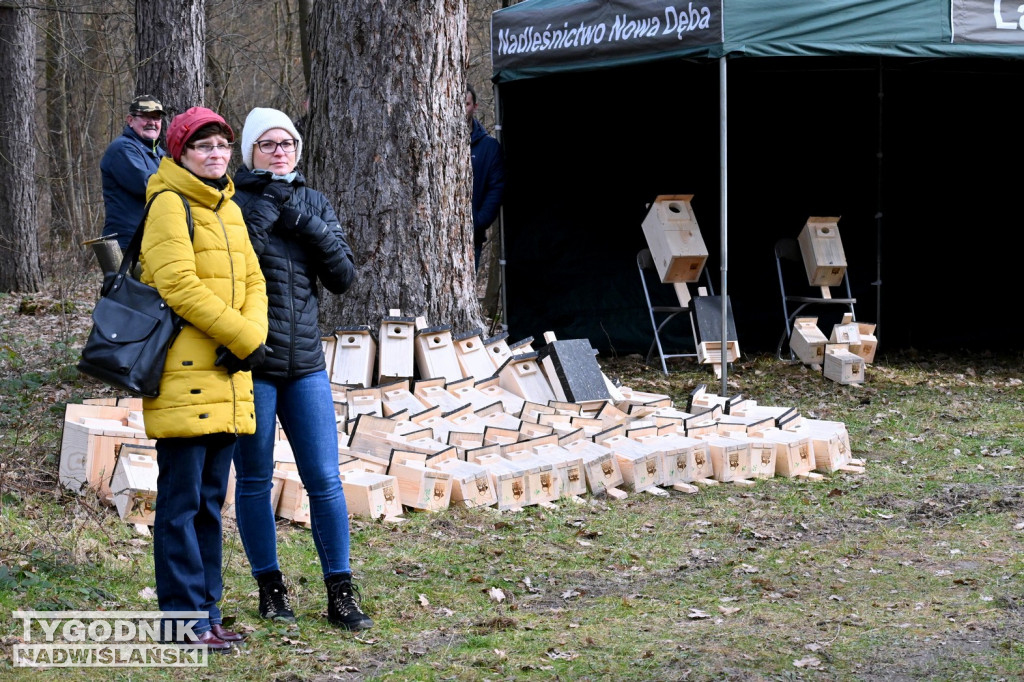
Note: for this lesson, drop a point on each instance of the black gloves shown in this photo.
(278, 192)
(292, 220)
(230, 362)
(256, 357)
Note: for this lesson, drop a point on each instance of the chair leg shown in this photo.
(784, 339)
(783, 342)
(661, 352)
(650, 353)
(654, 324)
(657, 340)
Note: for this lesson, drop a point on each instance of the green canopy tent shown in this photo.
(606, 104)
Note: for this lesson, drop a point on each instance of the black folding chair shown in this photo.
(662, 314)
(790, 266)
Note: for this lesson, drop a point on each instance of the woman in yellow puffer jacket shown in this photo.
(212, 280)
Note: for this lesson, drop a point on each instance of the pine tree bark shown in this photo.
(19, 242)
(389, 146)
(170, 59)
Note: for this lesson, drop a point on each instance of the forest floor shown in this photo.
(911, 570)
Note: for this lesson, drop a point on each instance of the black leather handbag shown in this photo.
(132, 326)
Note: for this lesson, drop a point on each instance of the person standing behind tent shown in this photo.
(301, 246)
(488, 175)
(126, 166)
(212, 279)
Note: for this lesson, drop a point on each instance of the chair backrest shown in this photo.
(645, 262)
(644, 259)
(788, 248)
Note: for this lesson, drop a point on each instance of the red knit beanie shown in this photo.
(185, 125)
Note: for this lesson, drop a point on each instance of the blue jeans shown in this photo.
(306, 411)
(191, 487)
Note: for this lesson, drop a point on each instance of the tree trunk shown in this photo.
(304, 40)
(71, 87)
(19, 242)
(390, 149)
(169, 52)
(478, 69)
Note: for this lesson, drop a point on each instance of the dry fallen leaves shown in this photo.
(346, 669)
(566, 655)
(809, 662)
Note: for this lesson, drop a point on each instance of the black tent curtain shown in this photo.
(580, 177)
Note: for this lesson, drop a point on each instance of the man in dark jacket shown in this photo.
(488, 175)
(127, 165)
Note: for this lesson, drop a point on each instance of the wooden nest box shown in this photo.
(674, 239)
(822, 250)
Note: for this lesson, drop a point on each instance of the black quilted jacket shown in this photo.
(295, 263)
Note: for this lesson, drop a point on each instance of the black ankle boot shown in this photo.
(342, 603)
(274, 602)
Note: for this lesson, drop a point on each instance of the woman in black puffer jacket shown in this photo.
(300, 244)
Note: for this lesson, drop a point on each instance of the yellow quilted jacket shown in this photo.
(215, 283)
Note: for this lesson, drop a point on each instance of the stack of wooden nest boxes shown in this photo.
(529, 427)
(104, 452)
(463, 419)
(842, 355)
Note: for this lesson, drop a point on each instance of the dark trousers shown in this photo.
(187, 548)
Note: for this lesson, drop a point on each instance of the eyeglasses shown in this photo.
(210, 148)
(269, 146)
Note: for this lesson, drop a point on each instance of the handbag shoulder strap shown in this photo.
(131, 254)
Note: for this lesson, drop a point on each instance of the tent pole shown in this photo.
(724, 233)
(878, 209)
(501, 218)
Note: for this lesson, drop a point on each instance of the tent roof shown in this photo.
(539, 37)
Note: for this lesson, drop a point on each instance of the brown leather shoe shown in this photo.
(213, 642)
(223, 633)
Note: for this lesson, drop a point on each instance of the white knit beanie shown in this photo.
(259, 121)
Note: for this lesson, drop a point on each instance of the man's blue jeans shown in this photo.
(187, 550)
(306, 411)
